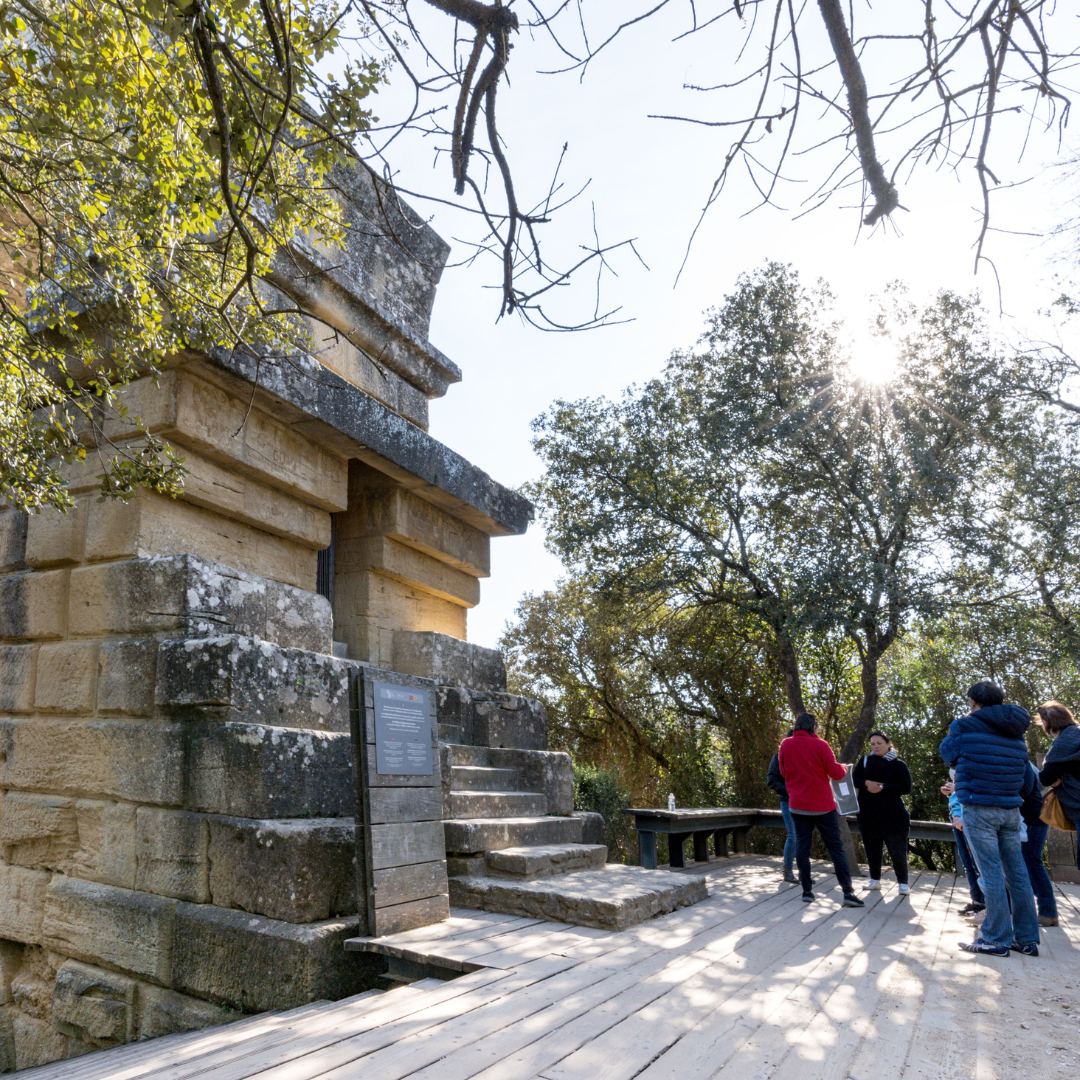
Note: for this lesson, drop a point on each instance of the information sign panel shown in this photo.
(402, 730)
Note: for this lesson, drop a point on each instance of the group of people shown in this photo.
(995, 803)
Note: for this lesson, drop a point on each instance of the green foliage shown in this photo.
(155, 156)
(598, 790)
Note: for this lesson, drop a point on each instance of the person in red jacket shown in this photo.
(807, 764)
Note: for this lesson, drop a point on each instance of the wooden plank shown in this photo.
(322, 1054)
(427, 1049)
(400, 884)
(873, 1021)
(405, 843)
(716, 1036)
(631, 983)
(394, 919)
(393, 804)
(232, 1061)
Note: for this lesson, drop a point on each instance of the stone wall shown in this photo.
(176, 788)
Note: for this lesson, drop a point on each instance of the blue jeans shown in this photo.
(993, 834)
(791, 844)
(828, 825)
(968, 863)
(1032, 850)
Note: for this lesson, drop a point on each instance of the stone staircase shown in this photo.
(508, 852)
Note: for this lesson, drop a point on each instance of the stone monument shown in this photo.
(176, 840)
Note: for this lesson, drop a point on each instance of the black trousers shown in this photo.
(828, 825)
(896, 842)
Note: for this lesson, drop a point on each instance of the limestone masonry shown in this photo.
(175, 765)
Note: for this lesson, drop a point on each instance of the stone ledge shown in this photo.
(252, 681)
(184, 595)
(613, 898)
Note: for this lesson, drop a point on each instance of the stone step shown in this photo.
(545, 860)
(450, 733)
(471, 836)
(611, 898)
(469, 755)
(482, 778)
(497, 804)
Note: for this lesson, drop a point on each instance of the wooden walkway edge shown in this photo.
(750, 983)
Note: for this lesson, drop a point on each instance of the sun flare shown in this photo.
(872, 359)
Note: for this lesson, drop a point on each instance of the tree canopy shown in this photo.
(155, 155)
(759, 475)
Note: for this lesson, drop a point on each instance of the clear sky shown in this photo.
(649, 179)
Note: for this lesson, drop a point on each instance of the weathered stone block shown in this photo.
(55, 538)
(612, 898)
(177, 594)
(298, 619)
(163, 1012)
(126, 671)
(16, 678)
(22, 903)
(198, 414)
(38, 831)
(448, 660)
(151, 524)
(301, 871)
(66, 677)
(405, 564)
(37, 1042)
(592, 827)
(32, 983)
(13, 525)
(380, 506)
(93, 1004)
(504, 721)
(549, 771)
(241, 498)
(248, 770)
(106, 851)
(252, 963)
(245, 679)
(34, 605)
(172, 854)
(186, 596)
(101, 924)
(122, 759)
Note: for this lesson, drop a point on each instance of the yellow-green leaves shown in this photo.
(121, 222)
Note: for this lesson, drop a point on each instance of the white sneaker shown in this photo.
(873, 884)
(904, 890)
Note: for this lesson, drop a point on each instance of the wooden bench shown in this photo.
(720, 823)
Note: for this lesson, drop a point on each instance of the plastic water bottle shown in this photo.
(671, 801)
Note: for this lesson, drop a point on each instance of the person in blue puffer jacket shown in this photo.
(988, 751)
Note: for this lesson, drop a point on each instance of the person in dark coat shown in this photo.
(1061, 766)
(882, 780)
(988, 752)
(775, 780)
(1032, 848)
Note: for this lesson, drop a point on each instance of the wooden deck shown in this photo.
(751, 983)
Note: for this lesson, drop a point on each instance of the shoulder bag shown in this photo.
(1054, 814)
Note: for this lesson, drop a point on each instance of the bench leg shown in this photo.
(701, 847)
(739, 841)
(676, 841)
(720, 843)
(647, 848)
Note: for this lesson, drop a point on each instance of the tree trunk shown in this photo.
(788, 662)
(868, 713)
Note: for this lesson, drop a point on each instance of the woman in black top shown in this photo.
(882, 780)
